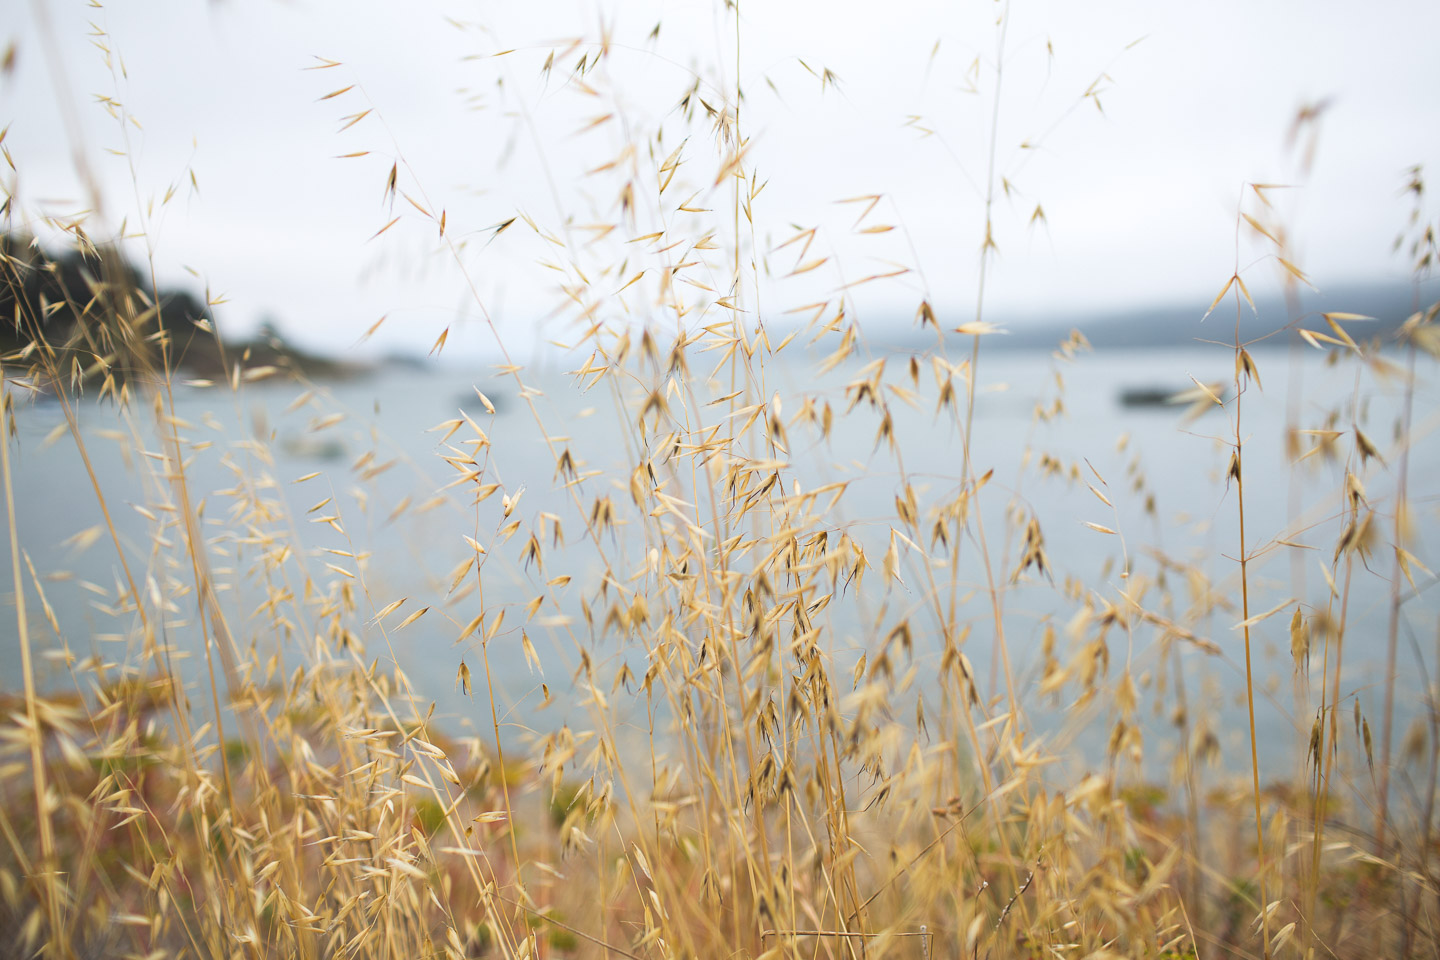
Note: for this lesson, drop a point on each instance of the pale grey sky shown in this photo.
(1140, 200)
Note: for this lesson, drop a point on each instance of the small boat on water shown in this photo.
(312, 448)
(1146, 396)
(1149, 396)
(470, 401)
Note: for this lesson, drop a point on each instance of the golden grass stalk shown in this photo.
(815, 768)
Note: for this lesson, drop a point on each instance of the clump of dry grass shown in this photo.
(743, 784)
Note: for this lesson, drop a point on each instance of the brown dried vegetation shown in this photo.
(744, 786)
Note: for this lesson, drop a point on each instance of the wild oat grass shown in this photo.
(198, 779)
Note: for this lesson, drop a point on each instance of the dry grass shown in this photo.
(744, 783)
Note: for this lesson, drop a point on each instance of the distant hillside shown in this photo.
(95, 306)
(1177, 326)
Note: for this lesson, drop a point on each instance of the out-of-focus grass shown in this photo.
(288, 798)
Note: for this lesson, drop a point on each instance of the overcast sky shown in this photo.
(1139, 197)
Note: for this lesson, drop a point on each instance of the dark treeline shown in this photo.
(91, 311)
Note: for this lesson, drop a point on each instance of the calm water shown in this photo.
(387, 415)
